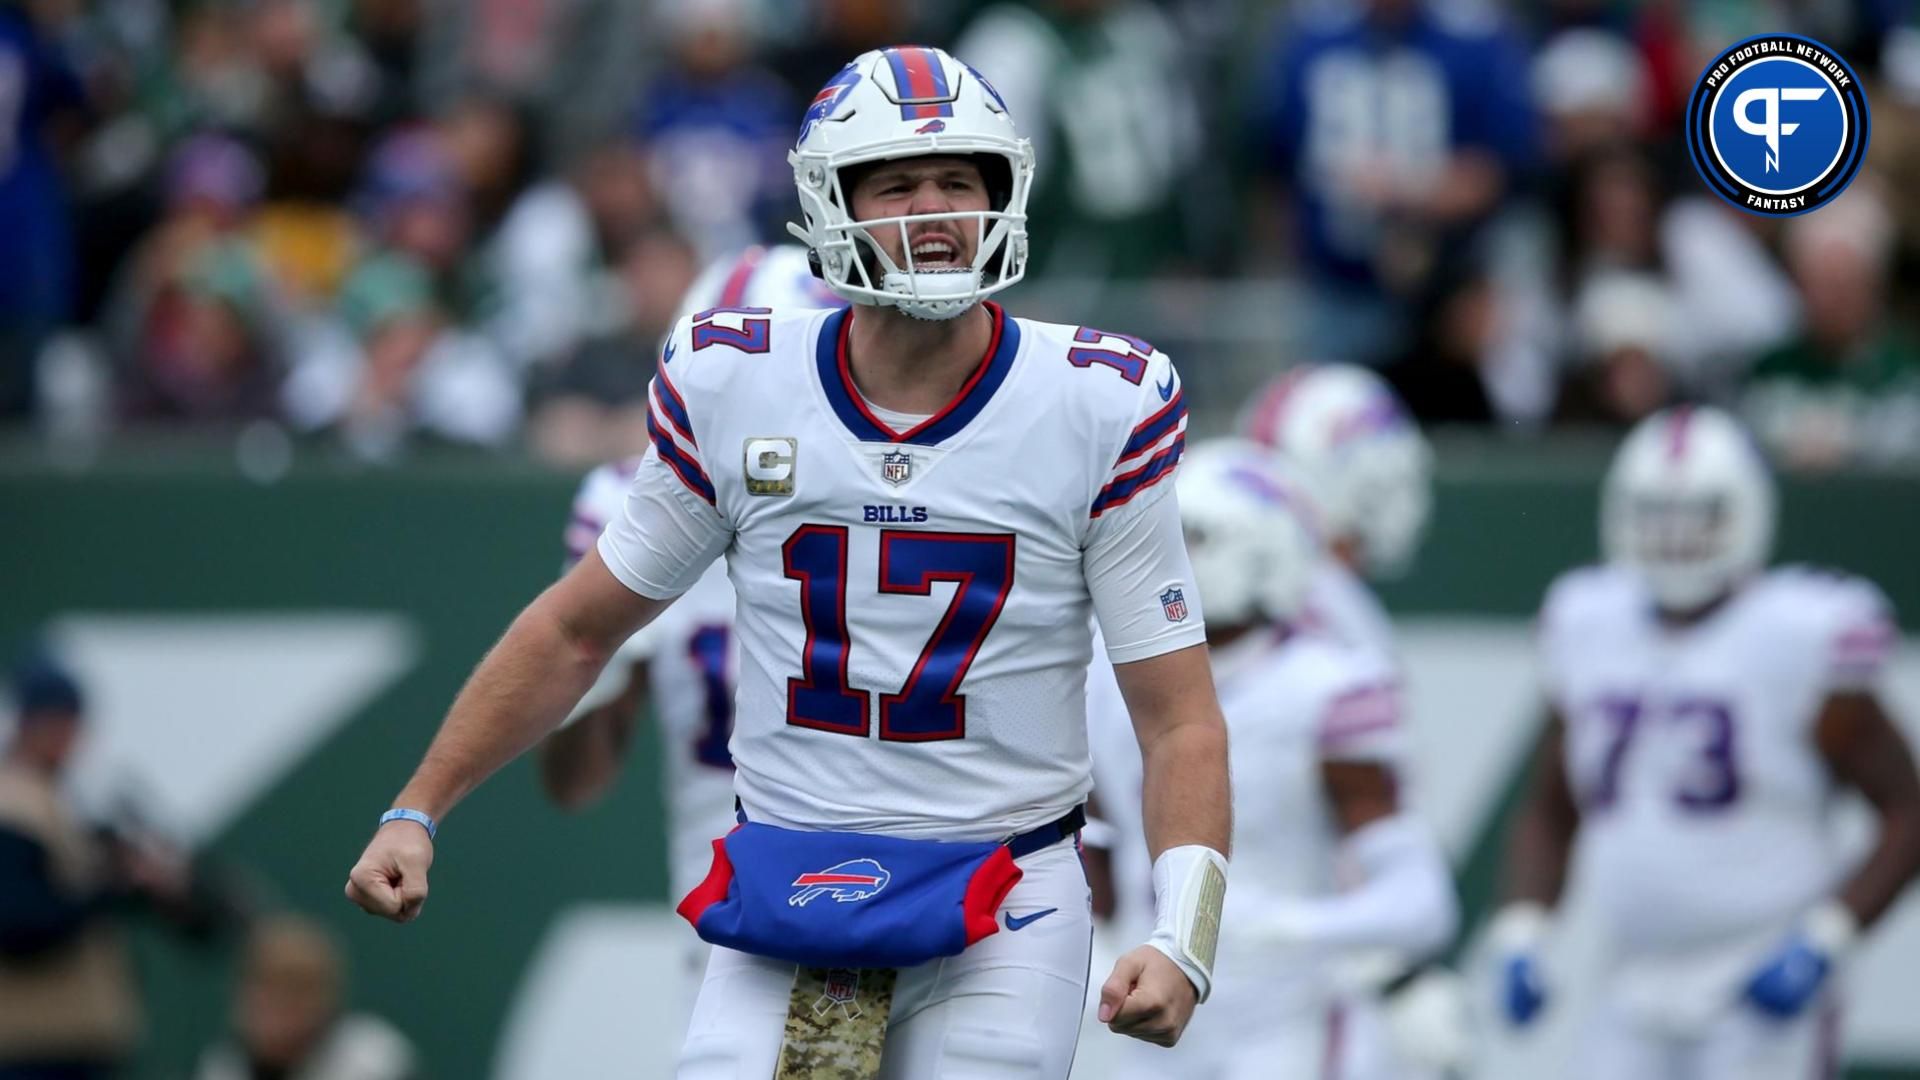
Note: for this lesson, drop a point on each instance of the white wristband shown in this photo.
(1189, 886)
(1518, 927)
(1831, 927)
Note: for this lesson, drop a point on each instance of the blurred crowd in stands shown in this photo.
(390, 223)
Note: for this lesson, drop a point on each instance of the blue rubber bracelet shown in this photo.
(414, 816)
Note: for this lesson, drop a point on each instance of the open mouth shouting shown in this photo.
(936, 251)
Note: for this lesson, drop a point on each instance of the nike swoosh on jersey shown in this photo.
(666, 356)
(1166, 389)
(1021, 922)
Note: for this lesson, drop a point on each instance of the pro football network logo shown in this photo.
(1778, 125)
(855, 879)
(1174, 603)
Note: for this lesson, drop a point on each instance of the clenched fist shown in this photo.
(1148, 997)
(390, 880)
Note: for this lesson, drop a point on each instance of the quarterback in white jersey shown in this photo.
(1328, 861)
(922, 502)
(1703, 711)
(1366, 469)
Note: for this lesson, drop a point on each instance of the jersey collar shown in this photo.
(836, 379)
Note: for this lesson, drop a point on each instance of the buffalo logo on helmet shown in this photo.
(931, 127)
(828, 99)
(847, 882)
(1174, 603)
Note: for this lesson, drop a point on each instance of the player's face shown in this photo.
(929, 185)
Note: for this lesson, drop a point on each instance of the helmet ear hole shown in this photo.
(997, 175)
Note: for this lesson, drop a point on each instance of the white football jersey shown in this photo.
(1291, 702)
(1340, 603)
(691, 659)
(1704, 802)
(914, 612)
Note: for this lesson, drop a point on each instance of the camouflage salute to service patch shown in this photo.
(836, 1024)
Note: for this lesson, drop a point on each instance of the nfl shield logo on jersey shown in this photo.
(896, 467)
(1174, 603)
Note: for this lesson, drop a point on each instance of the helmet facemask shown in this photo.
(898, 104)
(854, 263)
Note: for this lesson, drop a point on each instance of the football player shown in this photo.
(1367, 470)
(922, 501)
(1328, 859)
(1703, 711)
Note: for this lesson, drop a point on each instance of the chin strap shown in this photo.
(933, 295)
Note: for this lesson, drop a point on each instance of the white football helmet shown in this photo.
(1689, 506)
(1250, 534)
(1364, 462)
(910, 101)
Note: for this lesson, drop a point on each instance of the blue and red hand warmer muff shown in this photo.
(832, 899)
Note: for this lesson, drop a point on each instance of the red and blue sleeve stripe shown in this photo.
(1127, 485)
(683, 464)
(676, 409)
(920, 82)
(1155, 427)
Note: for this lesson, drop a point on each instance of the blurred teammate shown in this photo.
(1367, 470)
(1704, 709)
(921, 505)
(1328, 860)
(683, 664)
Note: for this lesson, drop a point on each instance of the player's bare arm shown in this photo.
(1536, 871)
(522, 689)
(1865, 751)
(1542, 840)
(1402, 897)
(1404, 901)
(1183, 750)
(1359, 793)
(1187, 801)
(580, 762)
(1098, 858)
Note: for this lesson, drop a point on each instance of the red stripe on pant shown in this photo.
(1826, 1042)
(1336, 1047)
